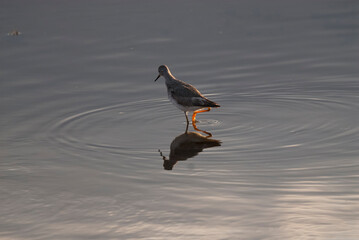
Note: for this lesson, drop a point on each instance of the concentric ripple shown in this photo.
(116, 129)
(288, 127)
(252, 127)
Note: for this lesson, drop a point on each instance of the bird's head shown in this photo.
(163, 69)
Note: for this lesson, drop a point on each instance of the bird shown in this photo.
(185, 96)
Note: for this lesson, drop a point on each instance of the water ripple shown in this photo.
(257, 127)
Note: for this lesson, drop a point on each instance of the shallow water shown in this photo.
(87, 136)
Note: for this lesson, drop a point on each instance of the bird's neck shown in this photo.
(168, 76)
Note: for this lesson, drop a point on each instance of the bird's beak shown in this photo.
(157, 77)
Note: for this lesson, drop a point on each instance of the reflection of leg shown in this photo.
(195, 113)
(199, 130)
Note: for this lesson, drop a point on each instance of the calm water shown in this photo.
(85, 130)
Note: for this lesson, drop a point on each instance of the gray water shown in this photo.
(86, 135)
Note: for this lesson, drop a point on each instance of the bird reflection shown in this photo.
(188, 145)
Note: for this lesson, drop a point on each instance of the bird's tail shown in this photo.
(212, 104)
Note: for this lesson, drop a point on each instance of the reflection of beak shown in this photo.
(157, 77)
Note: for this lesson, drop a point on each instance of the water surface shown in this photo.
(88, 139)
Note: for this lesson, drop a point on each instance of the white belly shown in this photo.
(183, 108)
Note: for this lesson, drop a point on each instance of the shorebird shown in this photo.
(185, 96)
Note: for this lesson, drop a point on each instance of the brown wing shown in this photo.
(189, 96)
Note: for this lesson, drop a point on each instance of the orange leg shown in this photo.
(199, 130)
(195, 113)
